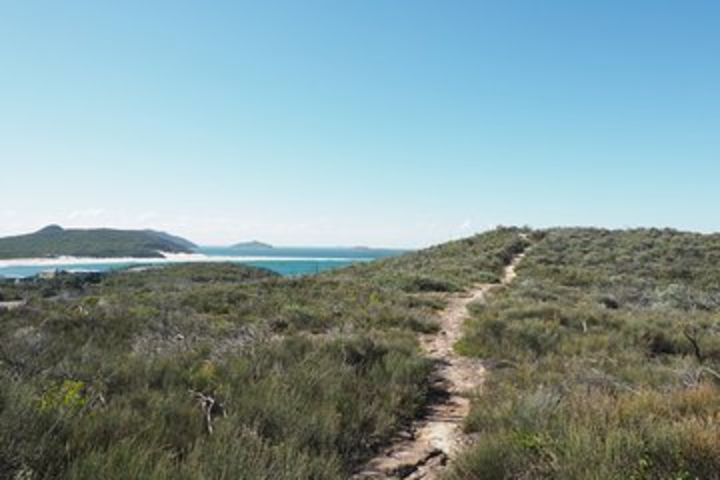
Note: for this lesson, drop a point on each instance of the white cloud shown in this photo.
(147, 216)
(86, 213)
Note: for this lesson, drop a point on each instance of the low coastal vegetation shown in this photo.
(223, 371)
(603, 356)
(606, 356)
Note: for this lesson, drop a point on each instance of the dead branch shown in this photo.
(711, 372)
(692, 338)
(210, 407)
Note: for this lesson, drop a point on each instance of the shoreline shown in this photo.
(168, 258)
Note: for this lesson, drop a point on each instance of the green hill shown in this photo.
(100, 375)
(602, 360)
(608, 354)
(54, 241)
(173, 238)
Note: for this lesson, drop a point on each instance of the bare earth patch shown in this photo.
(12, 305)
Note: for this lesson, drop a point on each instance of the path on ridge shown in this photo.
(435, 438)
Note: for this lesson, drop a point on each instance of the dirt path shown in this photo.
(12, 304)
(438, 436)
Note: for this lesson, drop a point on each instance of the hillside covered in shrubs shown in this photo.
(55, 241)
(222, 371)
(603, 361)
(606, 355)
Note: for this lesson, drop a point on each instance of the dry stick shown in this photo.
(711, 372)
(693, 341)
(207, 405)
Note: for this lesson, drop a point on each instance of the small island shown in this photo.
(55, 241)
(254, 244)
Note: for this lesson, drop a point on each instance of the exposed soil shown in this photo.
(11, 305)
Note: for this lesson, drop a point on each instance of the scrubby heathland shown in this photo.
(222, 371)
(603, 360)
(607, 361)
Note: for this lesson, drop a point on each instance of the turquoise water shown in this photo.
(285, 260)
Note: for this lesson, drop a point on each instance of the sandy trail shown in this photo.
(438, 436)
(11, 305)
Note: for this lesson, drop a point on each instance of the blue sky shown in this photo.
(397, 123)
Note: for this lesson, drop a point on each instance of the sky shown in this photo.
(395, 123)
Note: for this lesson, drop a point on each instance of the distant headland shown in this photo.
(56, 241)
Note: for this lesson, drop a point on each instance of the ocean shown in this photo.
(284, 260)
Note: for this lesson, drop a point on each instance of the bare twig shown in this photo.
(209, 407)
(692, 338)
(712, 372)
